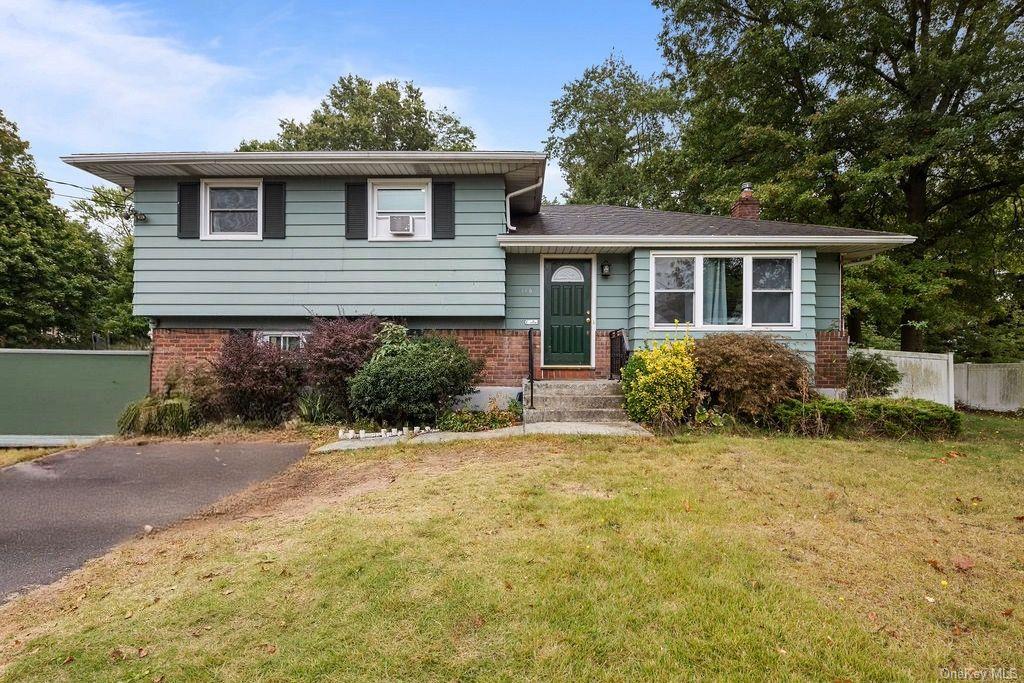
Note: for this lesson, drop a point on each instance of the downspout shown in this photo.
(508, 203)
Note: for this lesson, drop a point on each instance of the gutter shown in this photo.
(542, 241)
(508, 204)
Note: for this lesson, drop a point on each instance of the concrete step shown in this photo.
(574, 415)
(574, 402)
(599, 387)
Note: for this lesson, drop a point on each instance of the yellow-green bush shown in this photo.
(660, 384)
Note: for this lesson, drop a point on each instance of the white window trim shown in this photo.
(265, 335)
(748, 276)
(204, 208)
(372, 185)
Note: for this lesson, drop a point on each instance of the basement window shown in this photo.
(285, 341)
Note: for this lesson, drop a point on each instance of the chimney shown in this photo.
(746, 207)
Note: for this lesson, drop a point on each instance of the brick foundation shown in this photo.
(830, 356)
(180, 348)
(506, 356)
(504, 352)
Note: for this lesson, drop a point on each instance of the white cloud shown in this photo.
(78, 76)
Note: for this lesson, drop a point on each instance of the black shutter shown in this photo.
(443, 210)
(188, 211)
(356, 219)
(273, 210)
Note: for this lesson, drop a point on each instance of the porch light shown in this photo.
(606, 269)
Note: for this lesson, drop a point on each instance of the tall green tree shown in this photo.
(111, 211)
(905, 116)
(608, 130)
(358, 115)
(51, 267)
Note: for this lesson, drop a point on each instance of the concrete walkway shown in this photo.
(582, 428)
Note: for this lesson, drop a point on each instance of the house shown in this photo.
(460, 242)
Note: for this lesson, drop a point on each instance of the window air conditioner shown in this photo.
(401, 225)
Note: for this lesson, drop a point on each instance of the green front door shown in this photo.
(567, 312)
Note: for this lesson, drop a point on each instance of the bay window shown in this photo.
(722, 291)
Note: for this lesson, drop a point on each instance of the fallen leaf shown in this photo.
(270, 649)
(872, 616)
(143, 652)
(158, 679)
(962, 563)
(686, 504)
(960, 630)
(1019, 518)
(68, 660)
(229, 591)
(118, 655)
(929, 598)
(936, 566)
(1008, 612)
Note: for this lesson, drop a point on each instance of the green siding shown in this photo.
(523, 296)
(68, 393)
(829, 300)
(639, 304)
(315, 270)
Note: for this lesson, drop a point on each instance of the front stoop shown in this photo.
(574, 401)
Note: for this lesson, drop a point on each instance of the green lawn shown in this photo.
(565, 559)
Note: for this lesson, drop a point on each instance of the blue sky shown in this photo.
(86, 76)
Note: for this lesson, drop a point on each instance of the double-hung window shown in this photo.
(232, 209)
(400, 209)
(722, 291)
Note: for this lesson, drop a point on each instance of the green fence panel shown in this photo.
(68, 393)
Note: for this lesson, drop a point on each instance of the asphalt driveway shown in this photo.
(56, 512)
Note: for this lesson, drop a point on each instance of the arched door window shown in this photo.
(567, 274)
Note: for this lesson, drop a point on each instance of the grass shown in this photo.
(12, 456)
(567, 558)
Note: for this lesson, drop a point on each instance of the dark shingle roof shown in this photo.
(599, 219)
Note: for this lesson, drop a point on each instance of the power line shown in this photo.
(112, 205)
(62, 182)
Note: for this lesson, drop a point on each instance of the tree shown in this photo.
(51, 267)
(110, 210)
(358, 115)
(606, 129)
(873, 114)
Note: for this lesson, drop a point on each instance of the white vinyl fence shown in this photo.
(990, 386)
(925, 375)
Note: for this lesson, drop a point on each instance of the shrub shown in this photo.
(200, 386)
(409, 381)
(481, 420)
(747, 375)
(316, 407)
(901, 417)
(258, 382)
(660, 384)
(869, 374)
(158, 415)
(818, 417)
(334, 350)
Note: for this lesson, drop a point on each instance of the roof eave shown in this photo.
(520, 169)
(858, 246)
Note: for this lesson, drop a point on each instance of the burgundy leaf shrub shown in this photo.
(257, 381)
(335, 350)
(748, 375)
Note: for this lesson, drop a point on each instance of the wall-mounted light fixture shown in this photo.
(606, 269)
(137, 215)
